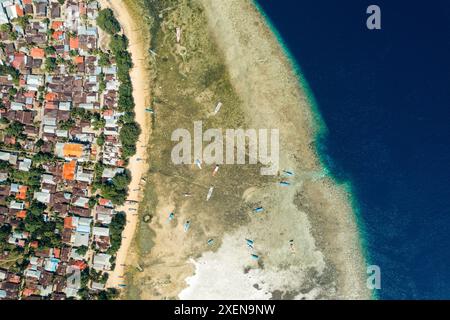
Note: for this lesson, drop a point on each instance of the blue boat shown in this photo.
(288, 173)
(187, 226)
(285, 183)
(259, 209)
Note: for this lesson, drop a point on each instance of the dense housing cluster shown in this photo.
(67, 130)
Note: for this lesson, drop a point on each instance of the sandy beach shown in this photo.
(138, 168)
(306, 240)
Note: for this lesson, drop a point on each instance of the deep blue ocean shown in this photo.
(384, 97)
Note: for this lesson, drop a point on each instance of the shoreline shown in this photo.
(328, 262)
(321, 132)
(268, 34)
(141, 93)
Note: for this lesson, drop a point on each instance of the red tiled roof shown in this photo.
(51, 96)
(69, 170)
(79, 60)
(57, 24)
(19, 10)
(68, 223)
(22, 194)
(19, 58)
(58, 35)
(21, 214)
(74, 43)
(56, 252)
(79, 264)
(37, 53)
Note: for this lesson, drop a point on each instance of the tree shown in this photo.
(12, 92)
(7, 27)
(128, 136)
(67, 125)
(82, 250)
(127, 117)
(115, 231)
(37, 208)
(108, 294)
(92, 202)
(50, 50)
(50, 64)
(9, 70)
(101, 139)
(15, 129)
(118, 43)
(121, 181)
(42, 157)
(98, 122)
(129, 133)
(5, 231)
(23, 21)
(108, 22)
(103, 59)
(39, 143)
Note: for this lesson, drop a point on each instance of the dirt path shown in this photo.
(141, 93)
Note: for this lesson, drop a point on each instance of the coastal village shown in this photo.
(67, 133)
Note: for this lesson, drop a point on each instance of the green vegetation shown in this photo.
(116, 189)
(129, 134)
(23, 21)
(98, 171)
(103, 59)
(81, 113)
(9, 70)
(50, 50)
(5, 231)
(108, 294)
(43, 157)
(97, 121)
(12, 93)
(50, 64)
(82, 250)
(4, 165)
(108, 22)
(39, 143)
(8, 28)
(130, 130)
(115, 230)
(66, 125)
(102, 82)
(31, 178)
(101, 139)
(43, 231)
(15, 129)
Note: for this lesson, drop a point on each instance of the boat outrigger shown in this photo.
(210, 191)
(187, 225)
